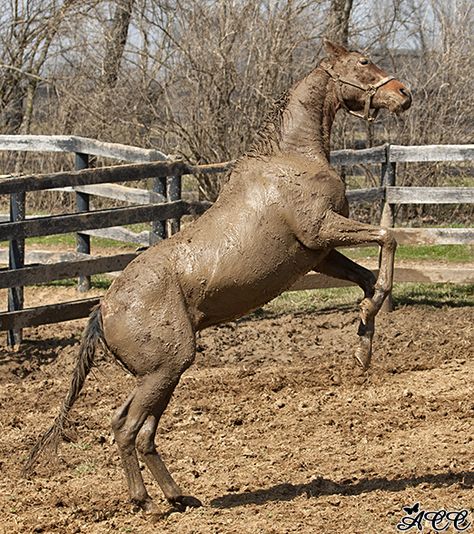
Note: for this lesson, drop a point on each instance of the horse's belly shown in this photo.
(239, 288)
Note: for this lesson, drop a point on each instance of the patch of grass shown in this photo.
(438, 295)
(98, 281)
(82, 446)
(452, 253)
(312, 300)
(345, 297)
(68, 241)
(85, 469)
(63, 240)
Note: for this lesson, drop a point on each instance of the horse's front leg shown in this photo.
(337, 265)
(333, 230)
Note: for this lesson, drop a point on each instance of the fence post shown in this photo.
(83, 241)
(387, 219)
(173, 193)
(158, 228)
(16, 260)
(387, 178)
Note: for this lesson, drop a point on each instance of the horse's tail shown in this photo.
(92, 334)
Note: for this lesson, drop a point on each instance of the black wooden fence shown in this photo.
(163, 206)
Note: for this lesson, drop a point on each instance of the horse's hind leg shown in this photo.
(126, 423)
(338, 266)
(151, 396)
(147, 449)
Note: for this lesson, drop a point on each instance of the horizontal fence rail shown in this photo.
(163, 202)
(78, 145)
(429, 195)
(49, 314)
(434, 236)
(39, 274)
(421, 153)
(116, 192)
(103, 175)
(64, 224)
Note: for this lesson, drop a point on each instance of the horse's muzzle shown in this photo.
(398, 95)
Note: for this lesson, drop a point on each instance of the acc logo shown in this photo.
(438, 520)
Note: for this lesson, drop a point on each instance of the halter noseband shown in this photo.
(369, 90)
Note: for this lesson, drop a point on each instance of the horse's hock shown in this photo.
(282, 213)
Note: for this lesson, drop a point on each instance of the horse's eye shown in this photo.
(363, 61)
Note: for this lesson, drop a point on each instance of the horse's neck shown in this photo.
(308, 117)
(300, 121)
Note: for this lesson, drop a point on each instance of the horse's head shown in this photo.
(362, 86)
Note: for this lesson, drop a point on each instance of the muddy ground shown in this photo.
(273, 428)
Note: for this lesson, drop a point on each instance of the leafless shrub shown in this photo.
(197, 78)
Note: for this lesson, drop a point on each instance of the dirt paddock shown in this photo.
(273, 428)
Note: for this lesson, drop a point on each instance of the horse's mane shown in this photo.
(270, 132)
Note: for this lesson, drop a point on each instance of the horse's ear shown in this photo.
(333, 50)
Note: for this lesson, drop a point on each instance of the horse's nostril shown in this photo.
(405, 92)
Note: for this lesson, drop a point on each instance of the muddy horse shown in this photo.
(282, 213)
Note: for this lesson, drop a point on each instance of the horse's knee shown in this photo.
(144, 445)
(117, 422)
(383, 287)
(180, 359)
(123, 438)
(387, 239)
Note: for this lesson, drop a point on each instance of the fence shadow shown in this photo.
(262, 313)
(322, 486)
(458, 298)
(39, 350)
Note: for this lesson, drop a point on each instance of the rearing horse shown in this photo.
(281, 214)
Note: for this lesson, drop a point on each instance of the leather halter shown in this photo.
(369, 90)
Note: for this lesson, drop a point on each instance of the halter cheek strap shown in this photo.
(369, 90)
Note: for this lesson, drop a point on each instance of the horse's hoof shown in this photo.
(363, 357)
(363, 354)
(153, 512)
(185, 501)
(146, 505)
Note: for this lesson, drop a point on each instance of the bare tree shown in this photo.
(197, 78)
(27, 33)
(339, 15)
(230, 60)
(116, 41)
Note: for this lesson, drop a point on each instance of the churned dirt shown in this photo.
(273, 428)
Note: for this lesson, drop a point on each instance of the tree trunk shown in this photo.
(337, 28)
(116, 41)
